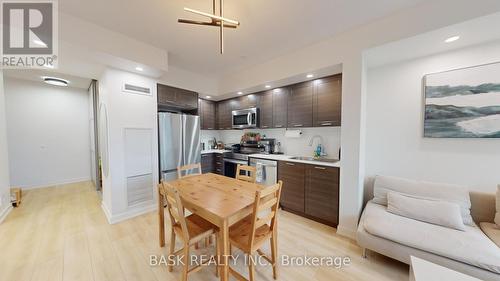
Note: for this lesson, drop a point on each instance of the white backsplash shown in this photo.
(290, 146)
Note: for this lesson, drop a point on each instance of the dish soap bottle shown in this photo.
(317, 152)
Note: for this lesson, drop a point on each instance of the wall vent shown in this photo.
(134, 89)
(139, 189)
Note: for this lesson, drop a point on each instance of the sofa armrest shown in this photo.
(483, 206)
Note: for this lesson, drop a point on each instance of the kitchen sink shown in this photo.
(321, 159)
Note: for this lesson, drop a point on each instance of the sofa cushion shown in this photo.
(434, 211)
(497, 216)
(492, 231)
(471, 246)
(446, 192)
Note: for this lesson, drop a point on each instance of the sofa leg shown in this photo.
(364, 253)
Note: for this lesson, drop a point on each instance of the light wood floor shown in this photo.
(61, 233)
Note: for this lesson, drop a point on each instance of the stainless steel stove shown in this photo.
(239, 155)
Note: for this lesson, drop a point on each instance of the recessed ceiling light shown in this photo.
(310, 76)
(268, 86)
(452, 39)
(139, 68)
(55, 81)
(39, 43)
(208, 97)
(240, 93)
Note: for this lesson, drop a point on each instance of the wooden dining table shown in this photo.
(220, 200)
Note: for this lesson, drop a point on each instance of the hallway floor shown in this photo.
(61, 233)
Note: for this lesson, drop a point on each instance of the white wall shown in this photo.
(126, 111)
(5, 206)
(290, 146)
(48, 133)
(394, 142)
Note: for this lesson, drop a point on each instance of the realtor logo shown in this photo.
(29, 34)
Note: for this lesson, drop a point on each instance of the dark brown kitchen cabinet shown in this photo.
(266, 110)
(218, 163)
(207, 163)
(224, 114)
(300, 105)
(311, 191)
(322, 193)
(327, 101)
(292, 193)
(176, 97)
(245, 102)
(280, 106)
(207, 112)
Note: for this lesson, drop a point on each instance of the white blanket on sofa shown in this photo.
(471, 246)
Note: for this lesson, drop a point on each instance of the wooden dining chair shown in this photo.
(250, 173)
(252, 232)
(191, 229)
(182, 171)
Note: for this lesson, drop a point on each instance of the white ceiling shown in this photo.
(38, 74)
(268, 28)
(471, 32)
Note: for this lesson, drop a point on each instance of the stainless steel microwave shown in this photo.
(245, 118)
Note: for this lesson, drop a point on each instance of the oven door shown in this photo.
(243, 119)
(230, 166)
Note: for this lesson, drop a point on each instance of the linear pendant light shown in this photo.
(218, 21)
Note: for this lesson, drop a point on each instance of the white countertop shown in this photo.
(214, 151)
(283, 157)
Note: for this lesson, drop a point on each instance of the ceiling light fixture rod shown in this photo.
(220, 18)
(222, 27)
(213, 23)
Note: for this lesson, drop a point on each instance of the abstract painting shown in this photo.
(463, 103)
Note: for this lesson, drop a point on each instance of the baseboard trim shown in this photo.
(5, 212)
(346, 232)
(134, 212)
(70, 181)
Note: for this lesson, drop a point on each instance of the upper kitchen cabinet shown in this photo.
(207, 112)
(177, 98)
(300, 105)
(224, 115)
(266, 109)
(327, 101)
(280, 105)
(245, 102)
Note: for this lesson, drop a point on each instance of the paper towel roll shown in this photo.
(294, 134)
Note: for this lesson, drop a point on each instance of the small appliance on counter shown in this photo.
(268, 144)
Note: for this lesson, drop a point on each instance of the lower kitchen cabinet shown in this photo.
(322, 193)
(208, 163)
(311, 191)
(292, 193)
(218, 163)
(211, 163)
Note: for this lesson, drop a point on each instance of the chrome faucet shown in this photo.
(311, 141)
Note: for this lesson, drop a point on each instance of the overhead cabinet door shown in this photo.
(300, 105)
(328, 101)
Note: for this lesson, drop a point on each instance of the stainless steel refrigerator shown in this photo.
(179, 138)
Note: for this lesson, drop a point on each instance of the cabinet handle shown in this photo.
(264, 126)
(204, 155)
(290, 164)
(326, 123)
(218, 163)
(210, 128)
(278, 126)
(298, 125)
(218, 170)
(320, 168)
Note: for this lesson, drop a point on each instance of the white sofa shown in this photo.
(470, 251)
